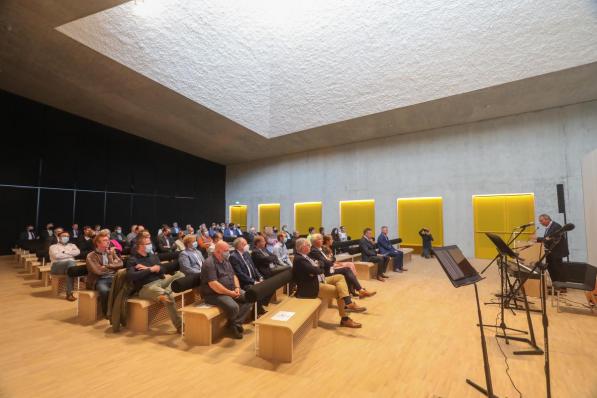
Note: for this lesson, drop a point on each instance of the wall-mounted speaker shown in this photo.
(561, 199)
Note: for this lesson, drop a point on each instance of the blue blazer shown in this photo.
(384, 245)
(241, 270)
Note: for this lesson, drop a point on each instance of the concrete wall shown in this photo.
(531, 152)
(589, 176)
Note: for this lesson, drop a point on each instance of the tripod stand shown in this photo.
(504, 252)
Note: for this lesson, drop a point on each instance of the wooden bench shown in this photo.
(276, 339)
(365, 270)
(143, 313)
(44, 273)
(26, 257)
(203, 324)
(407, 257)
(88, 308)
(59, 284)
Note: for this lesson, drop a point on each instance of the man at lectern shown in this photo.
(559, 249)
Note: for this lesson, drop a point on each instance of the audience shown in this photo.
(175, 229)
(85, 242)
(179, 243)
(368, 253)
(118, 236)
(132, 235)
(311, 283)
(281, 251)
(245, 270)
(311, 232)
(266, 262)
(102, 264)
(165, 243)
(62, 255)
(342, 234)
(238, 231)
(221, 287)
(47, 233)
(327, 262)
(216, 238)
(205, 241)
(190, 259)
(427, 238)
(28, 234)
(148, 276)
(335, 234)
(339, 266)
(230, 231)
(386, 249)
(74, 233)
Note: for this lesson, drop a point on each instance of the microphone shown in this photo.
(531, 224)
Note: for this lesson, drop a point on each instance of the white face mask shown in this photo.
(226, 255)
(119, 231)
(64, 240)
(149, 248)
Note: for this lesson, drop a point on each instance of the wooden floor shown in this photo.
(419, 340)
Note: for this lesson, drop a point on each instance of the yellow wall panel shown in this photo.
(416, 213)
(500, 214)
(356, 215)
(269, 215)
(307, 215)
(238, 215)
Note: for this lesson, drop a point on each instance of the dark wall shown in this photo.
(62, 168)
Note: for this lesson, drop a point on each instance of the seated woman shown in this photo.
(102, 264)
(281, 251)
(190, 259)
(323, 253)
(178, 243)
(205, 241)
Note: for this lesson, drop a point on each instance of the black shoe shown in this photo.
(236, 331)
(261, 311)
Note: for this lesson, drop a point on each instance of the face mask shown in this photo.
(64, 239)
(226, 255)
(194, 245)
(119, 231)
(149, 248)
(246, 249)
(29, 229)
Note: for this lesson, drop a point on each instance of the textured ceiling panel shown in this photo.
(277, 66)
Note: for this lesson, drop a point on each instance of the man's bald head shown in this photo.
(221, 247)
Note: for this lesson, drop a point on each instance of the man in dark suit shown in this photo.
(246, 272)
(75, 233)
(28, 234)
(558, 247)
(387, 250)
(47, 233)
(85, 241)
(312, 283)
(165, 242)
(368, 253)
(267, 263)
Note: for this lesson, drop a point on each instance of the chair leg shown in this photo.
(558, 301)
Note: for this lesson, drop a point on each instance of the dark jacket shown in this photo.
(384, 244)
(120, 292)
(324, 262)
(241, 268)
(142, 277)
(25, 235)
(367, 249)
(84, 245)
(262, 260)
(560, 250)
(305, 274)
(162, 244)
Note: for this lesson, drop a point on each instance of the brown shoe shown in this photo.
(379, 278)
(349, 323)
(364, 293)
(404, 269)
(70, 297)
(353, 307)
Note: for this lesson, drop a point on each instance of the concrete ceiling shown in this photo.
(201, 89)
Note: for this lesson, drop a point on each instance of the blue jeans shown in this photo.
(103, 286)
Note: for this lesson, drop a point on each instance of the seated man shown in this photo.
(318, 254)
(386, 249)
(165, 243)
(85, 242)
(229, 231)
(62, 255)
(368, 253)
(75, 231)
(102, 264)
(281, 251)
(237, 231)
(28, 234)
(265, 261)
(245, 270)
(190, 259)
(311, 283)
(221, 287)
(143, 269)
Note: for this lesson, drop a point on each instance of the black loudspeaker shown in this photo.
(561, 199)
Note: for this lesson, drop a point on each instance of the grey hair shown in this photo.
(302, 242)
(314, 237)
(546, 216)
(237, 242)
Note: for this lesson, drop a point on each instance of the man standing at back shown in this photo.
(221, 287)
(387, 250)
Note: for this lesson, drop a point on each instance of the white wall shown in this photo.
(531, 152)
(589, 176)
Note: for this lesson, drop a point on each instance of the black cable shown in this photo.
(505, 358)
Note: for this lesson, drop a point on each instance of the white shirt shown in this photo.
(61, 252)
(547, 228)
